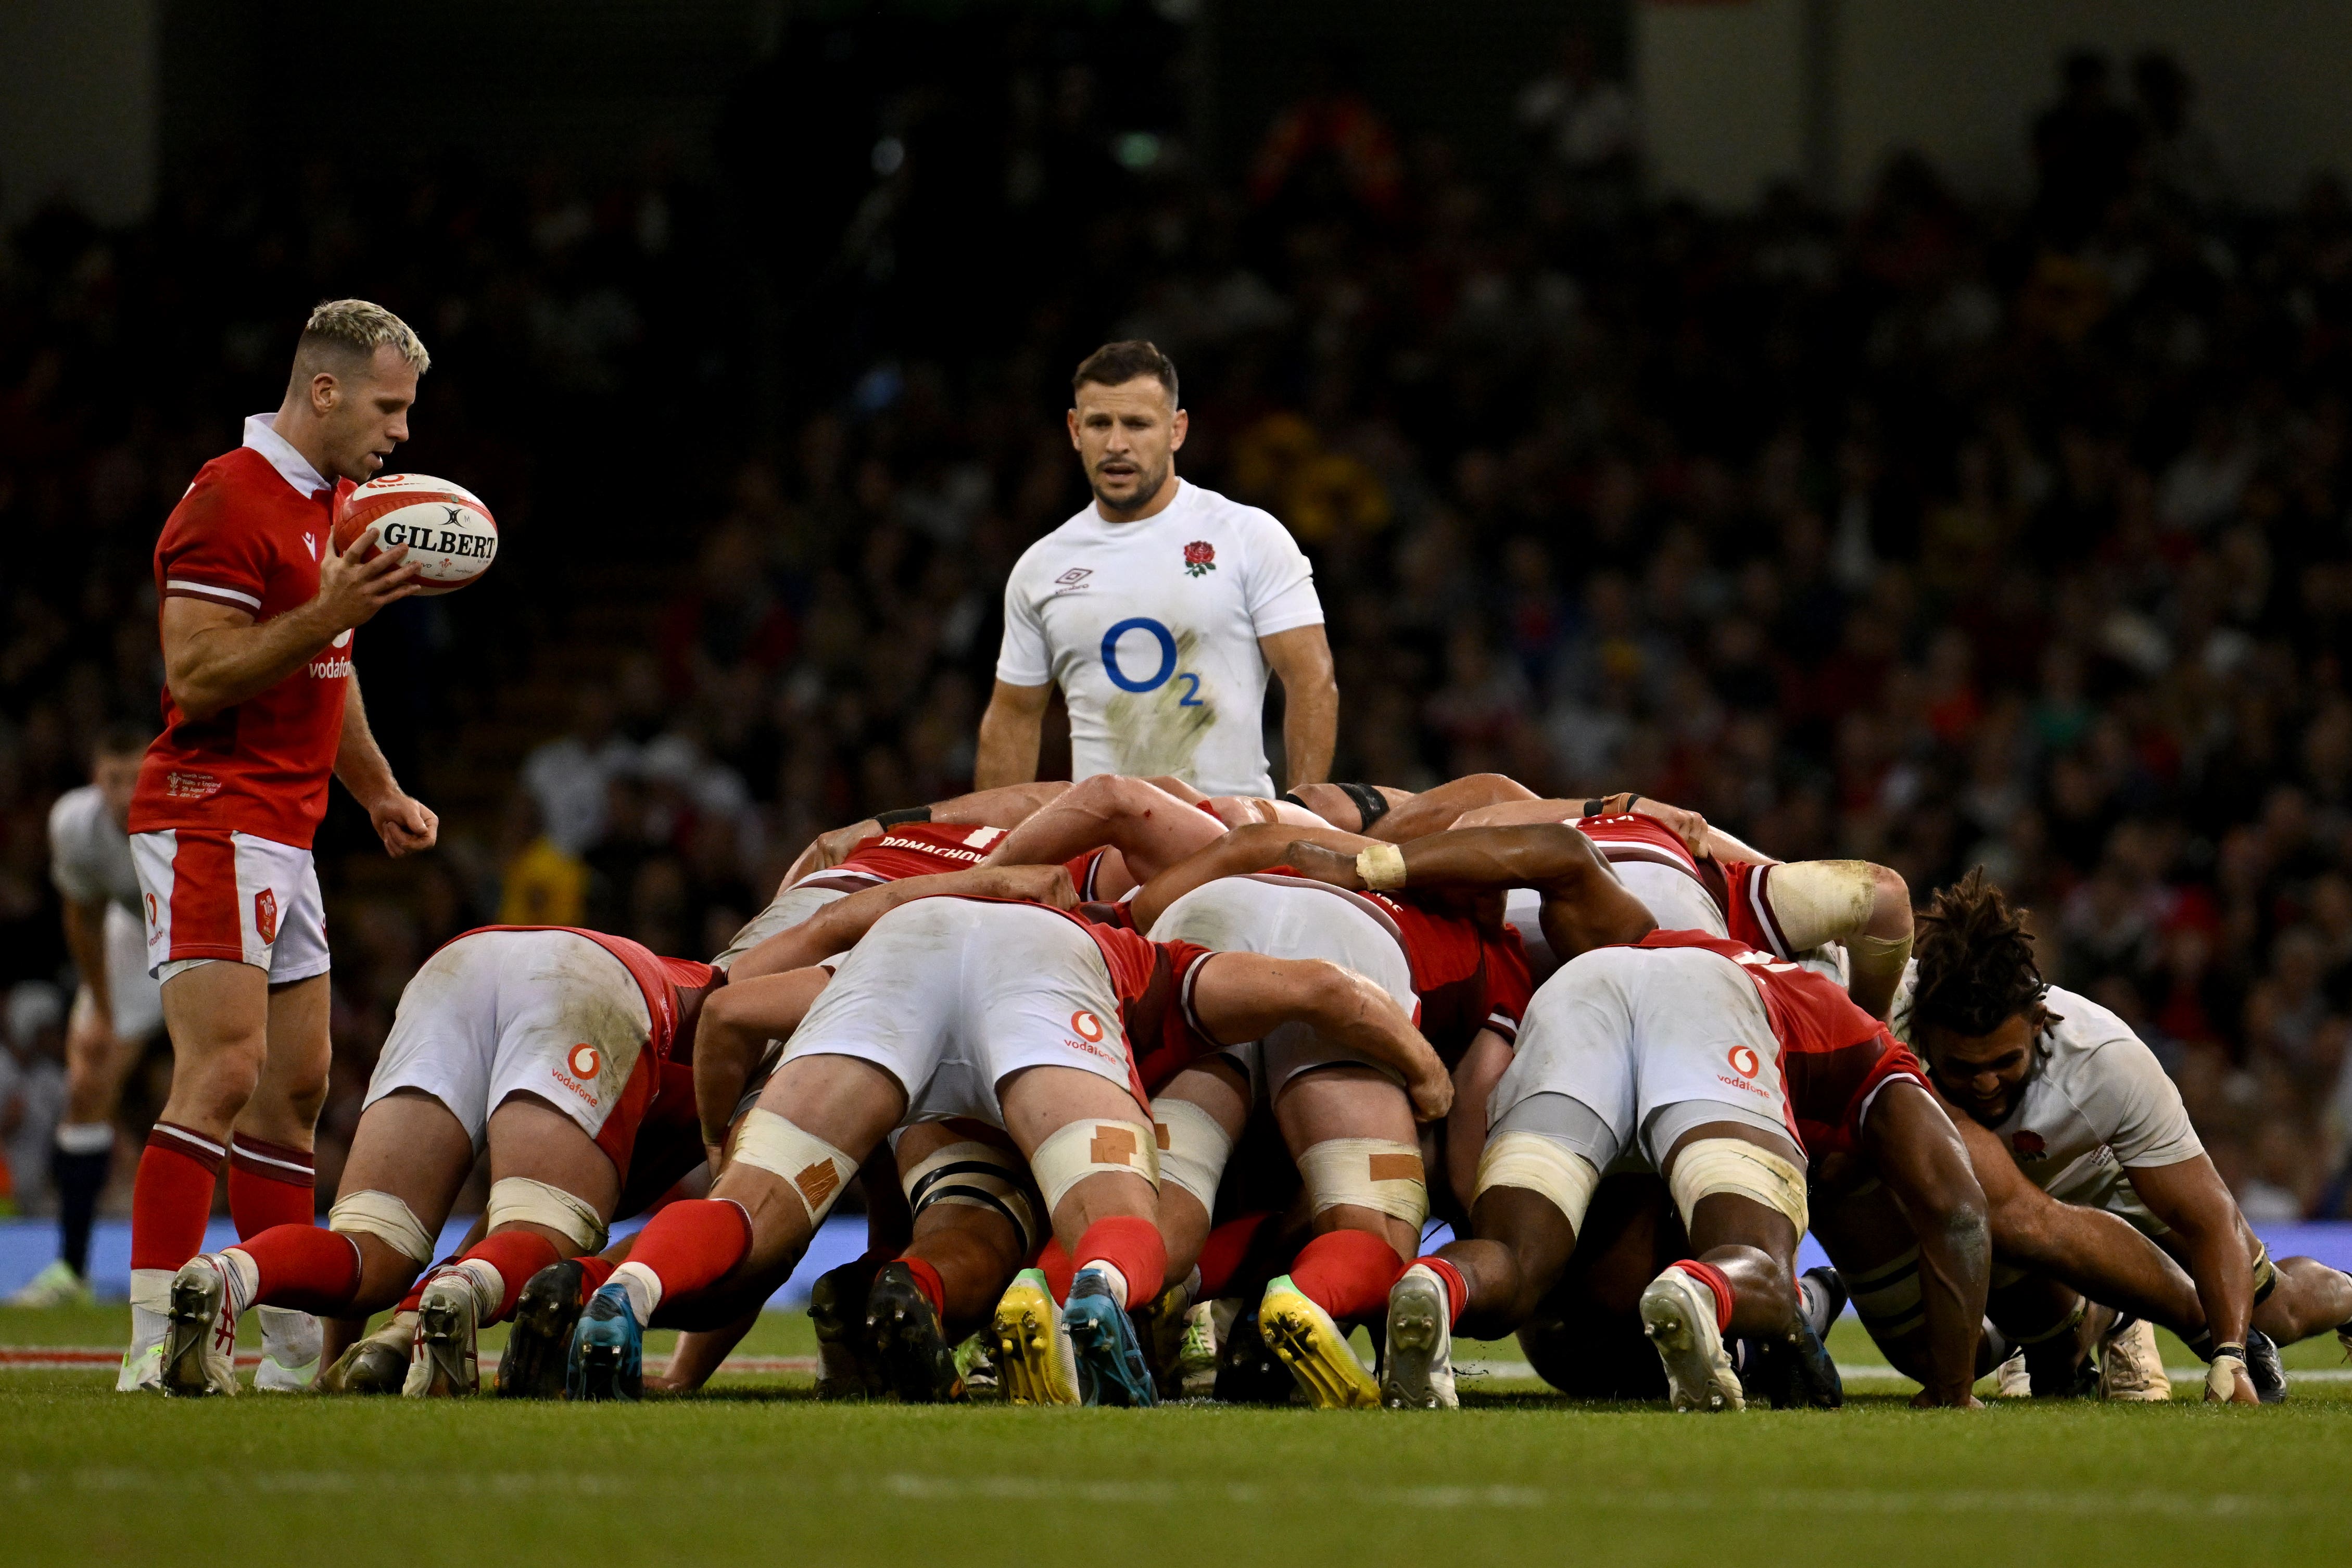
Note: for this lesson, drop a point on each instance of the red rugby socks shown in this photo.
(1053, 1260)
(1347, 1273)
(303, 1269)
(173, 1197)
(927, 1281)
(1223, 1254)
(1716, 1280)
(1458, 1289)
(270, 1184)
(499, 1266)
(688, 1247)
(1131, 1251)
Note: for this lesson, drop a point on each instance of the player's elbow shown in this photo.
(194, 698)
(1890, 904)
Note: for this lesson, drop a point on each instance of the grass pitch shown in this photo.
(755, 1472)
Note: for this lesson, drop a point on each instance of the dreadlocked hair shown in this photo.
(1976, 961)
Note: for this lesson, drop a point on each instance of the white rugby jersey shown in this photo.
(2097, 1103)
(1151, 629)
(89, 855)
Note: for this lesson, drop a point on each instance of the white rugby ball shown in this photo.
(448, 531)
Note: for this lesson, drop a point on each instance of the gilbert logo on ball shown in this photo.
(446, 528)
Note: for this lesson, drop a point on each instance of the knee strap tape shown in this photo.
(519, 1200)
(811, 1166)
(1370, 1172)
(1714, 1165)
(1193, 1149)
(385, 1217)
(1088, 1148)
(1822, 900)
(1887, 1300)
(1543, 1165)
(976, 1175)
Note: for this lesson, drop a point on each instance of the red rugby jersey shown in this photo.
(1154, 981)
(1467, 977)
(1833, 1056)
(917, 849)
(1630, 836)
(1748, 888)
(246, 537)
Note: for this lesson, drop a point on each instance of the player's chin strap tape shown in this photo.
(1381, 865)
(1193, 1149)
(1370, 1172)
(905, 813)
(385, 1217)
(1712, 1165)
(1543, 1166)
(1088, 1148)
(981, 1176)
(811, 1166)
(1370, 803)
(519, 1200)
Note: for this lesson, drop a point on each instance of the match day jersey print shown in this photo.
(1151, 629)
(248, 535)
(1833, 1056)
(2097, 1101)
(917, 849)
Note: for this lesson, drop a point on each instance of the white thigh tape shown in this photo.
(519, 1200)
(1714, 1165)
(1088, 1148)
(1193, 1149)
(1540, 1164)
(1822, 900)
(981, 1176)
(812, 1167)
(385, 1217)
(1369, 1173)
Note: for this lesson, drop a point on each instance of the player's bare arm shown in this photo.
(837, 927)
(1150, 827)
(1004, 807)
(2191, 1199)
(738, 1022)
(1412, 816)
(85, 929)
(1917, 1153)
(1301, 659)
(405, 824)
(1258, 847)
(1584, 905)
(1243, 997)
(214, 656)
(1010, 733)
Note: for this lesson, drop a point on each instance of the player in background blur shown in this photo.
(260, 705)
(116, 1009)
(1159, 611)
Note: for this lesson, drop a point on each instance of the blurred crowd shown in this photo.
(1937, 534)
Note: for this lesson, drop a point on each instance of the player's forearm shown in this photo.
(1238, 852)
(1955, 1260)
(701, 1352)
(360, 763)
(2224, 1274)
(1007, 805)
(1538, 855)
(214, 667)
(1435, 810)
(1007, 749)
(1310, 732)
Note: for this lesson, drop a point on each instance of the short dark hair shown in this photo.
(1116, 364)
(1976, 969)
(122, 738)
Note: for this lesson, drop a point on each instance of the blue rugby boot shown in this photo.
(1111, 1367)
(608, 1348)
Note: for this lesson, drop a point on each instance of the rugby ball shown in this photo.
(446, 528)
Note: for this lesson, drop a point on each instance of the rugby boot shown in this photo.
(2011, 1380)
(1315, 1349)
(608, 1351)
(975, 1361)
(1206, 1325)
(1161, 1325)
(1417, 1366)
(2057, 1368)
(2131, 1369)
(532, 1364)
(847, 1367)
(200, 1338)
(1035, 1360)
(1109, 1354)
(2263, 1366)
(443, 1362)
(290, 1346)
(1678, 1316)
(1248, 1371)
(56, 1286)
(377, 1363)
(914, 1352)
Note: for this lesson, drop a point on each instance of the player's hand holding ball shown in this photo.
(441, 531)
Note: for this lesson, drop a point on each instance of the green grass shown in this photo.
(754, 1472)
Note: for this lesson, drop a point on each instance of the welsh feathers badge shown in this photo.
(1199, 556)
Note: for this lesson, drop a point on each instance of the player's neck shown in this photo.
(296, 426)
(1160, 502)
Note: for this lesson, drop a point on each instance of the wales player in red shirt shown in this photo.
(260, 705)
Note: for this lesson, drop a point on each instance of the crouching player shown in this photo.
(1022, 1018)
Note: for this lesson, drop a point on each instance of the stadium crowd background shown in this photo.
(1936, 534)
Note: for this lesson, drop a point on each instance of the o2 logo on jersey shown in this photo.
(265, 915)
(584, 1061)
(1087, 1027)
(1158, 678)
(1744, 1061)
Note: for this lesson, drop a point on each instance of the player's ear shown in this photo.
(325, 393)
(1177, 427)
(1072, 419)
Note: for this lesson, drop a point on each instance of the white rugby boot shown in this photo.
(1678, 1315)
(1417, 1372)
(142, 1364)
(291, 1343)
(2011, 1380)
(200, 1340)
(2131, 1368)
(56, 1286)
(442, 1363)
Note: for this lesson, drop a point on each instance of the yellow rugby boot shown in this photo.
(1034, 1361)
(1315, 1349)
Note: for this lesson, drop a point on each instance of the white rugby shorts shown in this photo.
(1292, 916)
(1635, 1036)
(1673, 896)
(785, 910)
(951, 996)
(214, 896)
(135, 997)
(544, 1013)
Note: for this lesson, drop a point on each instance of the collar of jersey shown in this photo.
(261, 434)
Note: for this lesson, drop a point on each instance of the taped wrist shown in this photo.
(2221, 1377)
(387, 1218)
(1193, 1149)
(1370, 803)
(811, 1166)
(1369, 1173)
(1381, 865)
(1543, 1165)
(519, 1200)
(1713, 1165)
(1092, 1147)
(981, 1176)
(905, 813)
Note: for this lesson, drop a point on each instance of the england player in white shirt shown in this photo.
(1159, 611)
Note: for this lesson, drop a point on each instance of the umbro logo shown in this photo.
(1074, 577)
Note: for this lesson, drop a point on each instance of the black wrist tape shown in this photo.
(1294, 800)
(910, 813)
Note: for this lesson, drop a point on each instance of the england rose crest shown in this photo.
(1199, 556)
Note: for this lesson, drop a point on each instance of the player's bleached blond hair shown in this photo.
(357, 326)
